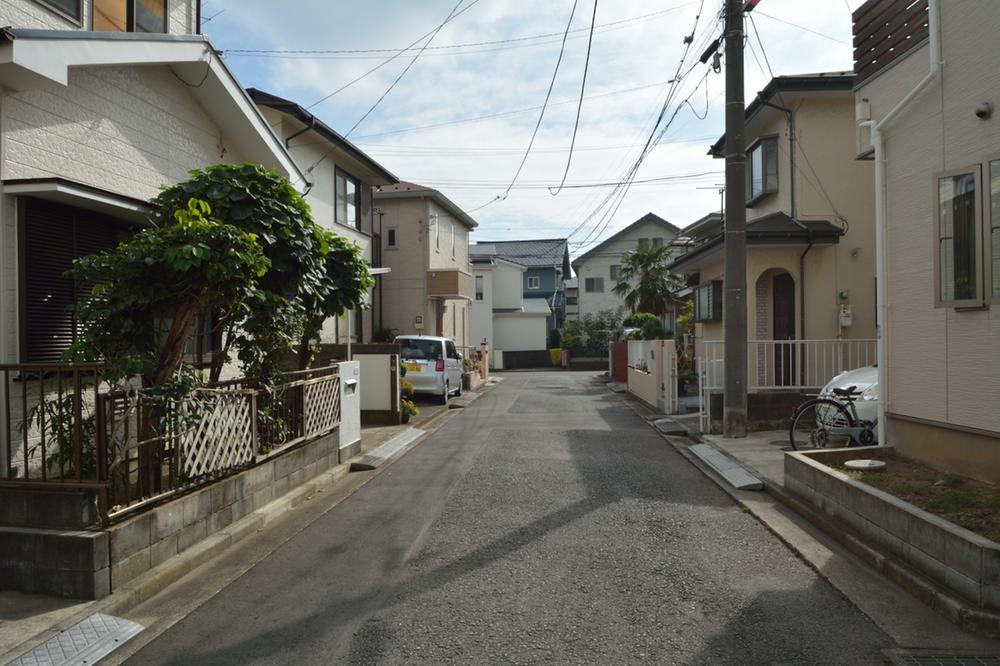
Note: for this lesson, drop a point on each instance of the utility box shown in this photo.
(350, 409)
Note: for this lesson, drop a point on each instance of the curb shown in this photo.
(146, 586)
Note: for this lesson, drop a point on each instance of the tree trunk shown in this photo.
(172, 352)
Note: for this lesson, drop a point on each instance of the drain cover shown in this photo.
(85, 643)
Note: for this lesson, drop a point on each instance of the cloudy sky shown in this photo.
(461, 117)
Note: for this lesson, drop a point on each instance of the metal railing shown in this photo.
(796, 365)
(134, 450)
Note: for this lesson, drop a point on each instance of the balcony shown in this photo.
(449, 284)
(884, 31)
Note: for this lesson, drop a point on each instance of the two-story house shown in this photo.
(501, 316)
(547, 268)
(425, 244)
(928, 117)
(339, 191)
(101, 103)
(598, 269)
(810, 279)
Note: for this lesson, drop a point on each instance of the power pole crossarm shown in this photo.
(734, 312)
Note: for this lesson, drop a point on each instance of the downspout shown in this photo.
(878, 145)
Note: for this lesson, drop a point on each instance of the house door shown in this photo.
(783, 328)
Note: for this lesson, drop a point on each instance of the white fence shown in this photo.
(801, 365)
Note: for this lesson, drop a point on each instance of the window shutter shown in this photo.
(55, 235)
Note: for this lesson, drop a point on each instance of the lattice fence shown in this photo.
(222, 438)
(321, 405)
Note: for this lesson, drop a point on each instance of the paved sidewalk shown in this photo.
(762, 452)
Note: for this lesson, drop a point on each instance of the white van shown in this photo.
(433, 364)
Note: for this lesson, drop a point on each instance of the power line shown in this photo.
(579, 106)
(446, 182)
(470, 151)
(405, 69)
(393, 57)
(800, 27)
(534, 133)
(443, 47)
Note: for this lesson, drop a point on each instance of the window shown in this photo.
(55, 235)
(572, 300)
(479, 287)
(346, 192)
(70, 9)
(454, 234)
(957, 227)
(643, 242)
(708, 302)
(534, 282)
(657, 242)
(390, 237)
(130, 15)
(994, 230)
(437, 232)
(615, 272)
(762, 168)
(593, 285)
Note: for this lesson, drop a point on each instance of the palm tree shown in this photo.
(644, 281)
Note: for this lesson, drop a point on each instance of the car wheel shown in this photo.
(444, 396)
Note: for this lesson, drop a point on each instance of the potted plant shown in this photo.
(407, 407)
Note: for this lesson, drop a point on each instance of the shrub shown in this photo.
(555, 339)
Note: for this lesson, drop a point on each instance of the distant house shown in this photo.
(940, 153)
(810, 280)
(572, 299)
(546, 265)
(501, 316)
(425, 244)
(339, 191)
(597, 270)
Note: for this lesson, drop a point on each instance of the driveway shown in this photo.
(546, 523)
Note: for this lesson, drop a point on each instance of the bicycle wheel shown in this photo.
(819, 424)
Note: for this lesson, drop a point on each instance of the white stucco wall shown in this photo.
(507, 285)
(181, 16)
(481, 312)
(519, 332)
(599, 265)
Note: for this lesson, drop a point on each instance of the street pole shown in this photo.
(734, 311)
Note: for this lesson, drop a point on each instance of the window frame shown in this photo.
(61, 13)
(533, 278)
(642, 243)
(391, 232)
(597, 281)
(988, 223)
(614, 272)
(977, 233)
(130, 18)
(766, 189)
(714, 304)
(346, 175)
(479, 286)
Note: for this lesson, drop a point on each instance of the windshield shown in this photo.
(429, 350)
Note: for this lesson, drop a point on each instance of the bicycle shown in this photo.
(822, 423)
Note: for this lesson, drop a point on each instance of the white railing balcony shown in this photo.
(787, 364)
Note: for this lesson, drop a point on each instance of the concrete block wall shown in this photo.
(961, 561)
(141, 543)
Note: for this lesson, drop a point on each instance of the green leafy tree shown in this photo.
(343, 285)
(593, 331)
(145, 294)
(644, 283)
(259, 201)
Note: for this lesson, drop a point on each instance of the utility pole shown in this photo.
(734, 311)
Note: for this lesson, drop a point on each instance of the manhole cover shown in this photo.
(86, 642)
(865, 465)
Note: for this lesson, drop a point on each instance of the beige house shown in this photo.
(936, 144)
(425, 244)
(341, 178)
(810, 239)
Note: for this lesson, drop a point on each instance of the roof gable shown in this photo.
(648, 218)
(543, 253)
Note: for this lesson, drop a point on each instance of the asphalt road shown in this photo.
(546, 523)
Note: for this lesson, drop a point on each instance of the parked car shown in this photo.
(433, 364)
(865, 381)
